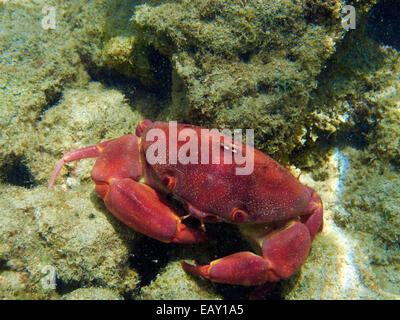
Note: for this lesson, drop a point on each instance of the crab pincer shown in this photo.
(117, 175)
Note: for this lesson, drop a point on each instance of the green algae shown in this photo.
(235, 64)
(371, 211)
(36, 67)
(360, 87)
(173, 283)
(92, 294)
(75, 236)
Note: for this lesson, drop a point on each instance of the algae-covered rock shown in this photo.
(173, 283)
(132, 58)
(37, 62)
(67, 229)
(63, 240)
(92, 294)
(15, 284)
(370, 205)
(83, 117)
(357, 99)
(340, 264)
(41, 57)
(242, 64)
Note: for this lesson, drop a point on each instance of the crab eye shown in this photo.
(168, 181)
(239, 216)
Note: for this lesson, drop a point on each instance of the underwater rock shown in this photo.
(83, 117)
(36, 65)
(92, 294)
(370, 211)
(173, 283)
(358, 100)
(135, 60)
(69, 240)
(15, 284)
(243, 64)
(341, 262)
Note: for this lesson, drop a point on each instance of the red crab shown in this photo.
(278, 214)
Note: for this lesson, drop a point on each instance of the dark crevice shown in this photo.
(15, 172)
(148, 257)
(245, 57)
(64, 287)
(321, 12)
(3, 265)
(52, 98)
(235, 292)
(132, 88)
(383, 24)
(161, 71)
(356, 136)
(67, 286)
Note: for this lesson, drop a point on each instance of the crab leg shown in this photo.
(74, 155)
(116, 173)
(140, 207)
(313, 217)
(283, 252)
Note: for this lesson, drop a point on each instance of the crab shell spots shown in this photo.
(269, 193)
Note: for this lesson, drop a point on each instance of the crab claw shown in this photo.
(313, 218)
(283, 252)
(140, 207)
(117, 173)
(244, 268)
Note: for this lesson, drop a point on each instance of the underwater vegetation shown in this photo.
(323, 101)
